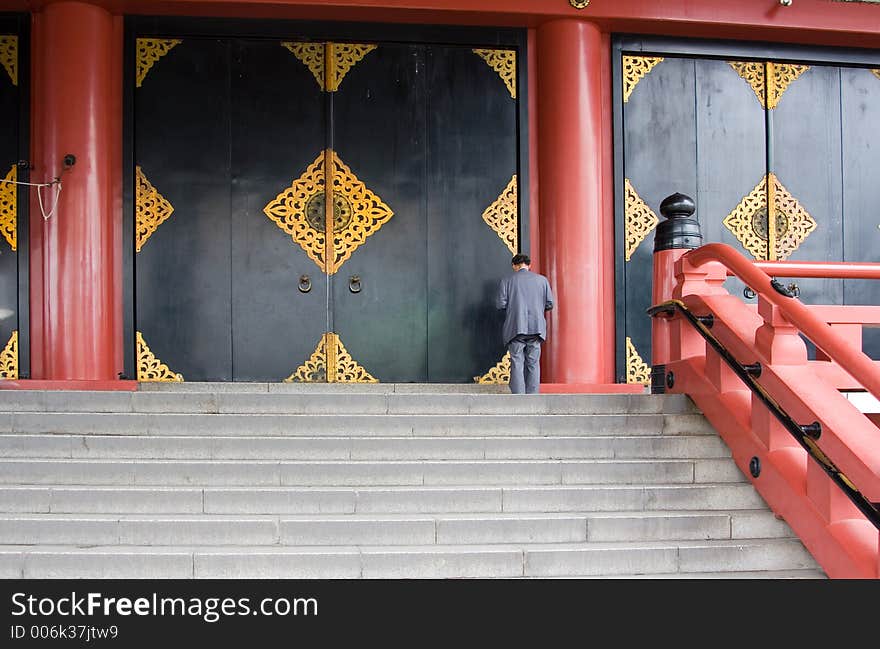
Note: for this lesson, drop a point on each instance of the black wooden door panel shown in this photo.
(183, 270)
(805, 156)
(471, 168)
(277, 131)
(660, 146)
(379, 135)
(779, 157)
(860, 142)
(240, 144)
(12, 202)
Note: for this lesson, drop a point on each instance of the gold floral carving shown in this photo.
(9, 56)
(500, 374)
(579, 4)
(504, 63)
(151, 209)
(150, 50)
(331, 363)
(312, 55)
(637, 370)
(640, 219)
(749, 221)
(774, 77)
(9, 358)
(150, 368)
(634, 69)
(9, 206)
(501, 216)
(343, 57)
(357, 213)
(876, 73)
(746, 218)
(795, 224)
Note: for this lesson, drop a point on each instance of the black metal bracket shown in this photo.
(780, 288)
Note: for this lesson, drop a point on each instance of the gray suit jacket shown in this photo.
(525, 296)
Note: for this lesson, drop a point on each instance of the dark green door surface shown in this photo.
(237, 283)
(800, 156)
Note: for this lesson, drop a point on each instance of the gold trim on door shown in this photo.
(9, 56)
(329, 62)
(9, 358)
(768, 80)
(9, 207)
(501, 216)
(504, 63)
(770, 203)
(498, 375)
(639, 219)
(151, 209)
(150, 368)
(149, 51)
(637, 370)
(301, 212)
(330, 363)
(634, 70)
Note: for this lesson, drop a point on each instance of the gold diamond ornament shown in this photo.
(749, 221)
(358, 213)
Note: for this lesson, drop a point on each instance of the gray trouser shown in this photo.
(525, 368)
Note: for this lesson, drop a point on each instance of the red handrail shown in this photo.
(820, 269)
(851, 359)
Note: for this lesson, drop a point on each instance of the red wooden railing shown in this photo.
(813, 456)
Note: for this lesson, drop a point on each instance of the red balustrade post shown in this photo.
(674, 236)
(777, 340)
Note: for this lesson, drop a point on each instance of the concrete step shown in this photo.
(440, 561)
(94, 446)
(452, 425)
(339, 403)
(363, 472)
(372, 529)
(88, 499)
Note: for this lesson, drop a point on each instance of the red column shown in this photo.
(75, 296)
(577, 223)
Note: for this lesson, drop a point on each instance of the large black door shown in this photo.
(14, 199)
(322, 211)
(774, 154)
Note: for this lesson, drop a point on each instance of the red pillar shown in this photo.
(577, 223)
(75, 293)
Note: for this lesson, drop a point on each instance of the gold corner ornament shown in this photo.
(504, 63)
(634, 70)
(151, 209)
(150, 368)
(501, 216)
(637, 370)
(498, 375)
(150, 50)
(9, 358)
(579, 4)
(9, 56)
(330, 363)
(768, 80)
(300, 211)
(328, 62)
(9, 206)
(770, 203)
(876, 72)
(639, 219)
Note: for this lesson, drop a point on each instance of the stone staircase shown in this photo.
(375, 481)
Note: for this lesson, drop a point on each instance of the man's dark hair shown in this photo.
(520, 259)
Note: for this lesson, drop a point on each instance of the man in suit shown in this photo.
(525, 297)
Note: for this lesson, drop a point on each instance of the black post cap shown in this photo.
(679, 230)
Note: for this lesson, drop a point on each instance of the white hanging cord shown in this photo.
(69, 161)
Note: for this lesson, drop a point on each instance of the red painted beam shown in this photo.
(818, 22)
